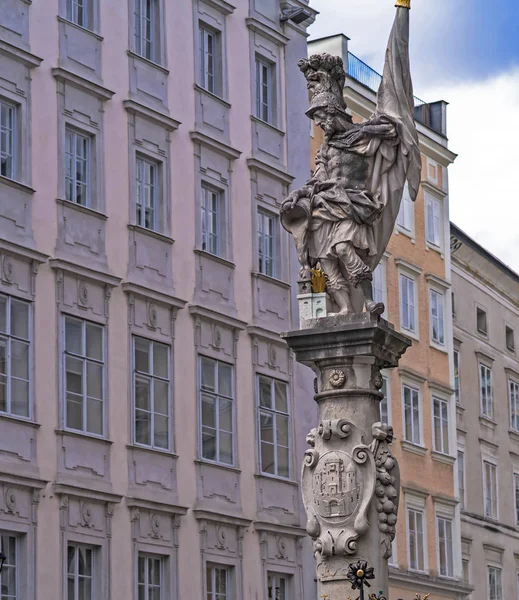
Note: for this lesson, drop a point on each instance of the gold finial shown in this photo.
(318, 281)
(403, 3)
(360, 573)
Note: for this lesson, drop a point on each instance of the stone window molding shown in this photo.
(221, 544)
(154, 529)
(19, 517)
(281, 553)
(86, 519)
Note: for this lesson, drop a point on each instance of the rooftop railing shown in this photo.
(363, 73)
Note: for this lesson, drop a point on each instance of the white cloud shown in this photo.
(483, 122)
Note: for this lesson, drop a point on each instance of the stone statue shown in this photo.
(343, 217)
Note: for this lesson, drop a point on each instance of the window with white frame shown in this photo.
(433, 221)
(274, 426)
(217, 411)
(267, 227)
(264, 90)
(516, 498)
(146, 21)
(445, 554)
(485, 387)
(412, 429)
(481, 321)
(513, 392)
(415, 537)
(210, 59)
(277, 586)
(151, 384)
(457, 386)
(461, 478)
(465, 570)
(150, 576)
(80, 572)
(15, 356)
(490, 489)
(80, 12)
(7, 140)
(9, 588)
(405, 215)
(437, 318)
(218, 582)
(77, 167)
(441, 425)
(494, 583)
(407, 303)
(384, 403)
(379, 282)
(83, 368)
(147, 197)
(211, 221)
(510, 339)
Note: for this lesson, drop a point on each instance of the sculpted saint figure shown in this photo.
(343, 216)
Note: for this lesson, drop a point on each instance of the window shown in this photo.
(9, 576)
(453, 298)
(7, 140)
(379, 283)
(411, 414)
(218, 582)
(146, 21)
(277, 586)
(210, 60)
(485, 384)
(494, 584)
(151, 381)
(436, 316)
(267, 225)
(217, 411)
(415, 521)
(80, 572)
(461, 479)
(149, 577)
(457, 376)
(384, 403)
(79, 12)
(147, 193)
(481, 321)
(407, 303)
(513, 390)
(516, 498)
(211, 221)
(445, 546)
(406, 212)
(15, 349)
(83, 362)
(264, 95)
(510, 341)
(274, 423)
(434, 221)
(490, 489)
(77, 168)
(441, 425)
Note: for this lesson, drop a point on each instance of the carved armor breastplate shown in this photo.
(347, 165)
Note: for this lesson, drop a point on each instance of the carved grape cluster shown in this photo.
(386, 496)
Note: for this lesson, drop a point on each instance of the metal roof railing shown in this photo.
(363, 73)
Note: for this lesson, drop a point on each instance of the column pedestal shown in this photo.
(350, 480)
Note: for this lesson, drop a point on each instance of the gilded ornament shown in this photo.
(318, 281)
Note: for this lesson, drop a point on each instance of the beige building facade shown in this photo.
(486, 325)
(152, 422)
(414, 281)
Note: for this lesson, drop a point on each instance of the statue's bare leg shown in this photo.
(360, 275)
(337, 285)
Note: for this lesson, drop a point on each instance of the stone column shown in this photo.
(350, 480)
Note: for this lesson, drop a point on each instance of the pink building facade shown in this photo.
(152, 422)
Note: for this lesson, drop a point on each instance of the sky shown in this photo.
(465, 52)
